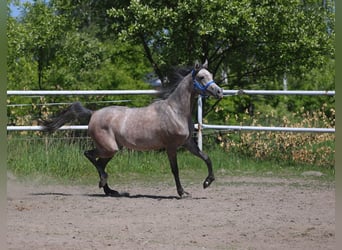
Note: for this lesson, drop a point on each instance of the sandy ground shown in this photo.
(234, 213)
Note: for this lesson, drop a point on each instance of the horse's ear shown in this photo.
(197, 65)
(205, 64)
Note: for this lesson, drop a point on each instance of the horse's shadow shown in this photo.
(120, 195)
(136, 196)
(50, 194)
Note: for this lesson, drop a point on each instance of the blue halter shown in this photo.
(199, 86)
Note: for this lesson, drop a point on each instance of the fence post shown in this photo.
(199, 122)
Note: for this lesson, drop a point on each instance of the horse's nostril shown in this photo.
(220, 93)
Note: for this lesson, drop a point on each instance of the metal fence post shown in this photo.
(199, 121)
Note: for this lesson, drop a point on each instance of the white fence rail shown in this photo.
(80, 92)
(153, 92)
(279, 92)
(200, 125)
(38, 128)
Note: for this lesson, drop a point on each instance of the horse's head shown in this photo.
(204, 83)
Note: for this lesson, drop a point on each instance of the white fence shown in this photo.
(80, 92)
(199, 126)
(153, 92)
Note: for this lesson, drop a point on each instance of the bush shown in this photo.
(303, 148)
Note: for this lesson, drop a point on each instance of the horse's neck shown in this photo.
(182, 97)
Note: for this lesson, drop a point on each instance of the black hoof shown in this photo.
(112, 193)
(208, 181)
(186, 195)
(183, 195)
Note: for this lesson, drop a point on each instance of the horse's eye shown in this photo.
(201, 78)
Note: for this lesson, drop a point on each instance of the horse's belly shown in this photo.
(141, 142)
(152, 141)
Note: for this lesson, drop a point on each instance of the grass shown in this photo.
(61, 160)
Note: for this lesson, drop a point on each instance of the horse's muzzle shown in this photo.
(215, 91)
(219, 93)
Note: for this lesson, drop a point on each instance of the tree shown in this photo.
(250, 39)
(53, 38)
(50, 47)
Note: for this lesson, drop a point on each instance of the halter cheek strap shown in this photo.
(199, 86)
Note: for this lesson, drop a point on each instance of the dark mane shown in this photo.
(174, 77)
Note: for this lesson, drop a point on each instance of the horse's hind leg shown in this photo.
(194, 149)
(100, 164)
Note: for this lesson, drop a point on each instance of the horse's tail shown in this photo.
(74, 112)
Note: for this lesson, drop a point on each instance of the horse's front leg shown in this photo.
(172, 155)
(194, 149)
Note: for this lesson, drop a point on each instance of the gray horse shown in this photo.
(164, 124)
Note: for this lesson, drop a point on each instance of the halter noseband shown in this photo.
(199, 86)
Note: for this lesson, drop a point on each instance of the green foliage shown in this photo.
(252, 40)
(32, 42)
(76, 45)
(321, 78)
(50, 49)
(300, 148)
(59, 56)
